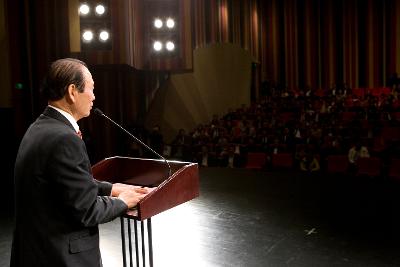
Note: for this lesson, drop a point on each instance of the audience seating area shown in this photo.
(291, 129)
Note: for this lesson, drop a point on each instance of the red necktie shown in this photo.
(79, 133)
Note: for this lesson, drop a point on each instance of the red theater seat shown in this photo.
(320, 92)
(348, 116)
(396, 116)
(359, 92)
(369, 166)
(394, 169)
(386, 91)
(255, 160)
(374, 91)
(337, 163)
(282, 160)
(391, 133)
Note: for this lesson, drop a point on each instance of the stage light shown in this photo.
(170, 46)
(84, 9)
(100, 9)
(158, 23)
(104, 36)
(157, 45)
(170, 23)
(87, 36)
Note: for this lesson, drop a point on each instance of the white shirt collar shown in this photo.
(69, 118)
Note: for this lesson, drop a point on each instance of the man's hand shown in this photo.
(131, 197)
(118, 188)
(130, 194)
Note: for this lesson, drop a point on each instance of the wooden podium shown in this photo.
(168, 192)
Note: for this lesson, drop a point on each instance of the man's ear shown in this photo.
(72, 93)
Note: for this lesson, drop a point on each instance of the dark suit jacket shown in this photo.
(58, 203)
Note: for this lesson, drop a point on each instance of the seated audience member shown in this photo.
(155, 140)
(216, 132)
(393, 81)
(286, 137)
(309, 92)
(250, 145)
(263, 140)
(167, 152)
(204, 157)
(231, 157)
(300, 153)
(355, 152)
(181, 146)
(309, 163)
(276, 147)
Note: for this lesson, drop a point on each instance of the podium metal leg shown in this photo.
(142, 240)
(123, 241)
(130, 242)
(150, 241)
(143, 244)
(136, 243)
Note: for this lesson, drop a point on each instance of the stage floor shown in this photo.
(268, 218)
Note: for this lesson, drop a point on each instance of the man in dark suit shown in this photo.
(58, 202)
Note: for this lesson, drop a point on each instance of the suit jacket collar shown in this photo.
(52, 113)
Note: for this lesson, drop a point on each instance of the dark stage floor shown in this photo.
(253, 218)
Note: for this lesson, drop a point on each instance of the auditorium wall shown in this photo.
(220, 80)
(5, 92)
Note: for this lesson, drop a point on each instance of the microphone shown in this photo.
(100, 113)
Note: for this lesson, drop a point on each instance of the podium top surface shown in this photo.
(168, 191)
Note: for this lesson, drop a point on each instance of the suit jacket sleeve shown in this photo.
(104, 188)
(78, 192)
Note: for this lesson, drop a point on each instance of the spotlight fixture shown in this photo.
(170, 46)
(100, 9)
(158, 23)
(170, 23)
(84, 9)
(95, 25)
(104, 36)
(87, 36)
(163, 36)
(157, 46)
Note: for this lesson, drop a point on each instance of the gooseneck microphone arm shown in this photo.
(100, 113)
